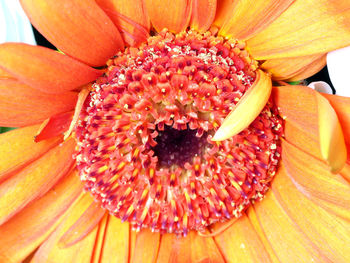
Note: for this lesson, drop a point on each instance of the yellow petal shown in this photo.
(305, 28)
(308, 111)
(292, 69)
(247, 109)
(247, 18)
(332, 141)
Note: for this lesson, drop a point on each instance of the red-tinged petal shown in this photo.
(294, 68)
(54, 126)
(146, 247)
(83, 226)
(280, 232)
(78, 28)
(174, 15)
(203, 14)
(130, 18)
(21, 105)
(314, 180)
(305, 28)
(252, 16)
(35, 180)
(311, 113)
(45, 69)
(247, 109)
(29, 228)
(192, 248)
(341, 105)
(81, 252)
(116, 242)
(240, 241)
(18, 149)
(327, 233)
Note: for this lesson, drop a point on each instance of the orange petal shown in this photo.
(29, 228)
(341, 106)
(247, 109)
(250, 17)
(116, 242)
(5, 75)
(203, 14)
(81, 252)
(45, 69)
(130, 18)
(20, 105)
(18, 149)
(315, 181)
(83, 226)
(241, 241)
(192, 248)
(35, 180)
(147, 245)
(305, 28)
(345, 172)
(309, 111)
(102, 228)
(223, 11)
(328, 235)
(54, 126)
(278, 229)
(294, 68)
(174, 15)
(301, 139)
(78, 28)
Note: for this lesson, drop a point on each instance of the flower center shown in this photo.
(144, 134)
(176, 147)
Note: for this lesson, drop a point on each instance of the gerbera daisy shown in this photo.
(157, 135)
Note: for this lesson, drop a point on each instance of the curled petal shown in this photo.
(341, 106)
(78, 28)
(332, 142)
(174, 15)
(247, 109)
(316, 117)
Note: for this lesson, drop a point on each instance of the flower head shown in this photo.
(165, 114)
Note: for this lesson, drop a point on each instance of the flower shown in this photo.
(303, 217)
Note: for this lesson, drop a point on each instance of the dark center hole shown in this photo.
(176, 147)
